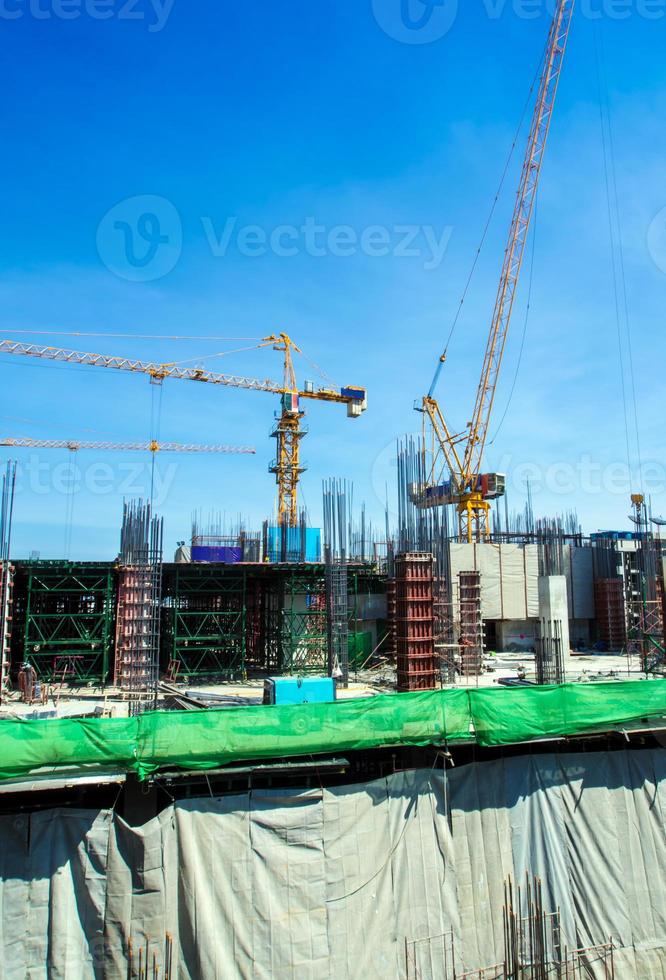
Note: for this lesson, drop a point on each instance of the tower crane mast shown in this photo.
(462, 453)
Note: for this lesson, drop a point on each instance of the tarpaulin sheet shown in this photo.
(401, 877)
(509, 577)
(208, 739)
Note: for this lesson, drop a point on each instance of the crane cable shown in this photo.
(486, 229)
(125, 336)
(155, 432)
(620, 253)
(527, 317)
(613, 219)
(207, 357)
(69, 502)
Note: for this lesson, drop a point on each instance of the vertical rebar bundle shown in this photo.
(549, 659)
(139, 602)
(337, 525)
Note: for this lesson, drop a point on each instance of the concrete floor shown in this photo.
(581, 668)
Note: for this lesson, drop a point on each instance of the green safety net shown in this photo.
(213, 738)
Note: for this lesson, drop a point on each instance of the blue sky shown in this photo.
(264, 119)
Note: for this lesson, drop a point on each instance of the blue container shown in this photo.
(299, 690)
(214, 553)
(294, 544)
(358, 394)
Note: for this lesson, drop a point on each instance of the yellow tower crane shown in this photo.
(288, 430)
(461, 454)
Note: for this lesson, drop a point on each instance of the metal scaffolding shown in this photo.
(139, 600)
(205, 620)
(218, 621)
(67, 619)
(471, 624)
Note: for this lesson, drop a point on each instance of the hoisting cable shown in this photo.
(69, 502)
(611, 231)
(620, 248)
(155, 428)
(125, 336)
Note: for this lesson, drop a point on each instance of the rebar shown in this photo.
(337, 497)
(139, 604)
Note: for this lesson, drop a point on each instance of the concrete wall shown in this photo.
(513, 634)
(554, 609)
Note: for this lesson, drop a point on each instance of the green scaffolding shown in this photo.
(303, 637)
(68, 620)
(205, 611)
(222, 620)
(219, 621)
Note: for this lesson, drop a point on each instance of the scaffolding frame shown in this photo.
(471, 624)
(205, 620)
(69, 613)
(137, 660)
(303, 621)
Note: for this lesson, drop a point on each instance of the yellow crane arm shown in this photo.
(160, 371)
(515, 250)
(442, 443)
(288, 431)
(156, 371)
(25, 442)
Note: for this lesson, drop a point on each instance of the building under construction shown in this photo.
(533, 587)
(433, 751)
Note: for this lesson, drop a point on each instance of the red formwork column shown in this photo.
(611, 612)
(390, 646)
(471, 624)
(415, 623)
(661, 610)
(135, 644)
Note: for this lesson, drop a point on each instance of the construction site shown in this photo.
(426, 742)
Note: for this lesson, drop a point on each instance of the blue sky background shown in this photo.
(271, 112)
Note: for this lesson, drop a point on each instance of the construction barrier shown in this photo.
(208, 739)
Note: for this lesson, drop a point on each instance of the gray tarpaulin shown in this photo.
(509, 577)
(347, 881)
